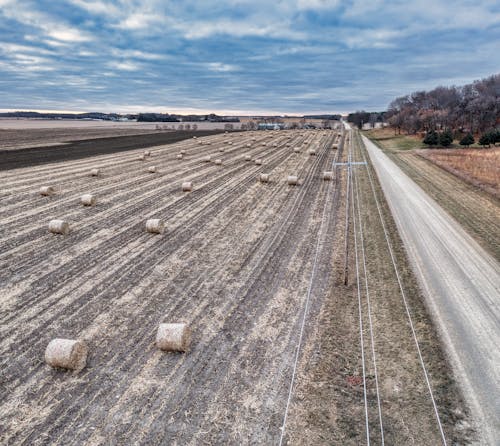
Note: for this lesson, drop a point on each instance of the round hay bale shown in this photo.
(222, 149)
(292, 180)
(200, 143)
(95, 172)
(249, 145)
(264, 143)
(47, 191)
(173, 337)
(275, 145)
(152, 169)
(218, 162)
(155, 226)
(335, 146)
(311, 152)
(194, 137)
(248, 157)
(141, 158)
(296, 149)
(179, 156)
(58, 227)
(207, 159)
(67, 354)
(88, 200)
(147, 152)
(182, 152)
(264, 178)
(328, 175)
(187, 186)
(258, 162)
(230, 143)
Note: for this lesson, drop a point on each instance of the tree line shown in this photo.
(473, 108)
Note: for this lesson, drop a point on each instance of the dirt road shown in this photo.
(462, 284)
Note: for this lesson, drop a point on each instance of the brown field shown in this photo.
(273, 279)
(480, 167)
(475, 206)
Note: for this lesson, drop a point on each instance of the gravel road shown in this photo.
(462, 284)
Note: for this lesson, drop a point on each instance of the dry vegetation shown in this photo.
(473, 202)
(480, 167)
(235, 262)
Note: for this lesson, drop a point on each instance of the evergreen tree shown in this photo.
(485, 140)
(495, 136)
(446, 138)
(467, 140)
(431, 138)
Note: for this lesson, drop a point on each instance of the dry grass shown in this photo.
(480, 167)
(388, 140)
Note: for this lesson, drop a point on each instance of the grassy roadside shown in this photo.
(477, 211)
(388, 140)
(403, 387)
(328, 399)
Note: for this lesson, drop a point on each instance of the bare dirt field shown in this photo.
(300, 333)
(44, 137)
(83, 148)
(23, 133)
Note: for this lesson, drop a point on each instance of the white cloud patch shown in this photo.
(317, 4)
(69, 35)
(124, 66)
(136, 54)
(97, 7)
(221, 67)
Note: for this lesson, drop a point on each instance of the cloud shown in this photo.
(221, 67)
(287, 56)
(64, 34)
(97, 7)
(138, 21)
(124, 66)
(317, 4)
(136, 54)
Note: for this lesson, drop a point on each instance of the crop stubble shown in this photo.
(234, 262)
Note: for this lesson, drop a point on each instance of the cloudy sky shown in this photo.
(239, 57)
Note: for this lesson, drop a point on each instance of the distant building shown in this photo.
(271, 126)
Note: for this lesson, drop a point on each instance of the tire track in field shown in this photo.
(92, 255)
(126, 197)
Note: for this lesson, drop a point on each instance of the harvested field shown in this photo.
(255, 269)
(83, 148)
(36, 137)
(480, 167)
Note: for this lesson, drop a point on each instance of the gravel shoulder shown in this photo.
(461, 283)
